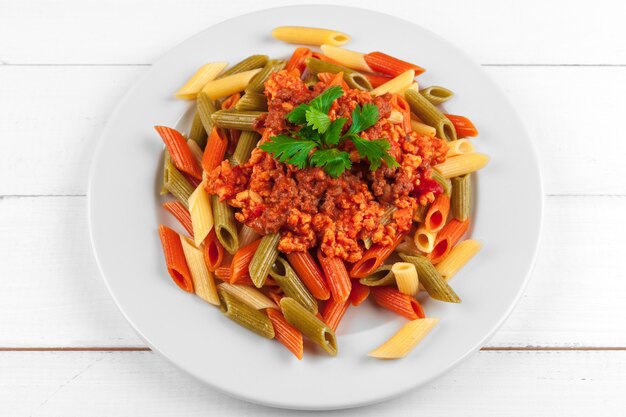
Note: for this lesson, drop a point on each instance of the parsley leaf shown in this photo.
(374, 151)
(333, 161)
(297, 115)
(290, 150)
(325, 100)
(332, 136)
(317, 119)
(363, 117)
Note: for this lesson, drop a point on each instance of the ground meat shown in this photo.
(308, 207)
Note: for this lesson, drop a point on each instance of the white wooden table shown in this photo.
(65, 350)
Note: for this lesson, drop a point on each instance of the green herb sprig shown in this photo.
(316, 142)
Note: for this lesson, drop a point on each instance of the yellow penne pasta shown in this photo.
(424, 240)
(406, 277)
(462, 164)
(248, 295)
(350, 59)
(226, 86)
(201, 214)
(459, 147)
(206, 73)
(310, 36)
(396, 117)
(414, 86)
(458, 257)
(203, 283)
(396, 85)
(195, 150)
(247, 235)
(423, 129)
(403, 342)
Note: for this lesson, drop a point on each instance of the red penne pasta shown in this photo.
(322, 57)
(241, 261)
(230, 102)
(223, 273)
(437, 213)
(310, 274)
(179, 211)
(285, 333)
(463, 126)
(333, 79)
(359, 293)
(337, 276)
(402, 106)
(373, 258)
(215, 150)
(276, 294)
(298, 59)
(392, 299)
(213, 251)
(386, 64)
(447, 238)
(175, 258)
(179, 151)
(334, 311)
(377, 80)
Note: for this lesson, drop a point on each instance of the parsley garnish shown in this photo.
(315, 144)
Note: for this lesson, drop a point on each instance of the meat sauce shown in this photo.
(309, 207)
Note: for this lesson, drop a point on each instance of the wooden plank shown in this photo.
(51, 293)
(120, 31)
(142, 383)
(52, 117)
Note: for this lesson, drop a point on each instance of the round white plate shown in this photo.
(124, 211)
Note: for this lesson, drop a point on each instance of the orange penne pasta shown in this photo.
(285, 333)
(437, 213)
(400, 104)
(377, 80)
(386, 64)
(298, 58)
(359, 293)
(241, 261)
(179, 211)
(337, 276)
(333, 312)
(181, 155)
(333, 79)
(392, 299)
(213, 251)
(214, 151)
(230, 102)
(463, 126)
(223, 273)
(309, 273)
(276, 294)
(447, 238)
(233, 134)
(373, 258)
(175, 258)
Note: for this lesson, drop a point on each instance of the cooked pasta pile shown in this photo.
(306, 185)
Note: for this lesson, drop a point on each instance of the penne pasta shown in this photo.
(457, 258)
(240, 265)
(386, 64)
(309, 325)
(463, 126)
(179, 152)
(310, 274)
(175, 258)
(197, 132)
(396, 85)
(461, 198)
(264, 258)
(247, 235)
(405, 340)
(213, 251)
(291, 285)
(205, 73)
(247, 64)
(424, 240)
(459, 147)
(383, 276)
(224, 87)
(431, 280)
(447, 238)
(396, 117)
(214, 151)
(350, 59)
(437, 213)
(336, 275)
(445, 183)
(203, 283)
(286, 334)
(178, 210)
(423, 129)
(224, 223)
(248, 295)
(257, 83)
(359, 293)
(201, 214)
(205, 108)
(406, 277)
(333, 312)
(353, 78)
(234, 119)
(408, 247)
(310, 36)
(420, 213)
(245, 145)
(436, 95)
(430, 115)
(373, 258)
(245, 316)
(223, 273)
(176, 183)
(462, 164)
(195, 150)
(402, 304)
(252, 101)
(296, 61)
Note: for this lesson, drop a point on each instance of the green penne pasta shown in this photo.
(224, 223)
(290, 283)
(430, 278)
(309, 325)
(263, 259)
(430, 115)
(249, 63)
(233, 119)
(252, 101)
(381, 277)
(205, 108)
(247, 142)
(311, 79)
(441, 180)
(420, 213)
(436, 95)
(257, 83)
(461, 198)
(384, 220)
(244, 315)
(176, 183)
(166, 158)
(353, 78)
(197, 133)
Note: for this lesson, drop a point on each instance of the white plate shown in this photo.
(124, 212)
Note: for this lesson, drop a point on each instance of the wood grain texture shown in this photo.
(137, 32)
(571, 384)
(63, 109)
(55, 296)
